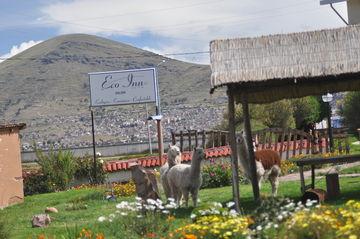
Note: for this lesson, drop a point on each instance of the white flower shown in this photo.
(101, 161)
(122, 205)
(151, 201)
(192, 216)
(139, 216)
(171, 199)
(230, 204)
(123, 214)
(259, 228)
(198, 200)
(110, 220)
(101, 219)
(111, 215)
(138, 198)
(165, 211)
(276, 225)
(233, 213)
(279, 217)
(217, 204)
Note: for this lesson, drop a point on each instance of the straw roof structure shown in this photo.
(275, 67)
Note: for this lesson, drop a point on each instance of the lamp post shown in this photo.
(148, 128)
(158, 118)
(327, 99)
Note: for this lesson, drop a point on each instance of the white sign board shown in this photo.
(123, 87)
(324, 2)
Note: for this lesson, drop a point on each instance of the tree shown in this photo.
(306, 110)
(278, 114)
(351, 110)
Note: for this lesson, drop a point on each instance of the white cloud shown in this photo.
(189, 25)
(18, 48)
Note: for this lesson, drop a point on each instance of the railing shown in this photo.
(288, 142)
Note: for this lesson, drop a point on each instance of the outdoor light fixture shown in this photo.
(327, 99)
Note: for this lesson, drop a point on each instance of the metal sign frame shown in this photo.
(136, 86)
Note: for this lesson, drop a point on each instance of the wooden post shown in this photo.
(282, 143)
(189, 137)
(312, 176)
(94, 146)
(196, 139)
(160, 141)
(203, 139)
(173, 137)
(247, 126)
(234, 156)
(213, 138)
(288, 144)
(181, 141)
(219, 138)
(302, 179)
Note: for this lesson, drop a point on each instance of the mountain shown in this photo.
(50, 80)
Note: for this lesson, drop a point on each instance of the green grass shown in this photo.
(18, 217)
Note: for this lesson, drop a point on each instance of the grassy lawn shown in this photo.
(18, 217)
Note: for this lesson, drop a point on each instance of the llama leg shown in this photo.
(185, 193)
(274, 179)
(260, 179)
(194, 196)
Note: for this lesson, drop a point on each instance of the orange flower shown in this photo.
(151, 235)
(41, 236)
(190, 236)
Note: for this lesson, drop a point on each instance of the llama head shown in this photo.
(198, 154)
(173, 151)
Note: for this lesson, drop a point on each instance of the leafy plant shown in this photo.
(219, 174)
(85, 168)
(35, 183)
(57, 166)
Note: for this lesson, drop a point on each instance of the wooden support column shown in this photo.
(234, 155)
(252, 164)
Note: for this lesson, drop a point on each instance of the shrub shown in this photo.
(35, 183)
(216, 175)
(219, 174)
(325, 222)
(215, 221)
(124, 189)
(85, 168)
(57, 166)
(149, 219)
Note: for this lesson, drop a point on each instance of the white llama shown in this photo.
(267, 161)
(184, 179)
(174, 157)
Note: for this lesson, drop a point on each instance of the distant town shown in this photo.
(117, 127)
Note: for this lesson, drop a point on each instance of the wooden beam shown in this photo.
(252, 164)
(234, 156)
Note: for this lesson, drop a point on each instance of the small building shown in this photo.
(11, 181)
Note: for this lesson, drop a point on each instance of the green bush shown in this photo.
(216, 175)
(35, 183)
(85, 167)
(57, 166)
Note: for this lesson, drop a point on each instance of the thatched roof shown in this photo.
(10, 126)
(288, 65)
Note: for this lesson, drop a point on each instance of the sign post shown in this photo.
(138, 86)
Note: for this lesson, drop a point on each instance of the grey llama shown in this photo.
(174, 158)
(184, 179)
(267, 162)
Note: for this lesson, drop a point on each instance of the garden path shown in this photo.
(307, 174)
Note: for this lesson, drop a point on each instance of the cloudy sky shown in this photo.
(178, 29)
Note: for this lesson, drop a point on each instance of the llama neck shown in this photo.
(195, 168)
(243, 156)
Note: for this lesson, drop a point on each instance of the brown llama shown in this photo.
(268, 163)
